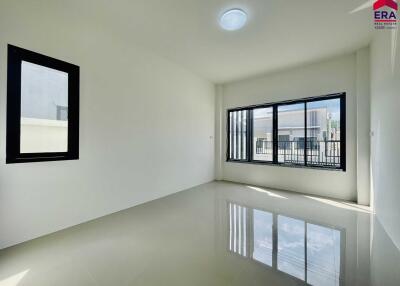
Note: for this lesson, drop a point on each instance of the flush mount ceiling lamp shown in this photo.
(233, 19)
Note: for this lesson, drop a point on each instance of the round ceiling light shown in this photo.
(233, 19)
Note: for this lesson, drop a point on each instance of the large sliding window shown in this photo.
(307, 132)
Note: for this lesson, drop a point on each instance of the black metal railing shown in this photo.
(264, 147)
(291, 152)
(319, 153)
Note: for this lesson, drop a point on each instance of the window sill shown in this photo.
(40, 159)
(262, 163)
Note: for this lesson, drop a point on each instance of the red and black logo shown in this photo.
(385, 14)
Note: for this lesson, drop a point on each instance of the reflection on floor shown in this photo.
(215, 234)
(307, 251)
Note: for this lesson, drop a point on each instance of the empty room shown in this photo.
(199, 142)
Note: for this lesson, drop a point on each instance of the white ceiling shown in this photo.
(279, 34)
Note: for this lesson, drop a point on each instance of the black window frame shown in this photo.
(13, 138)
(275, 105)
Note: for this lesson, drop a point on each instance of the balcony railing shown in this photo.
(319, 153)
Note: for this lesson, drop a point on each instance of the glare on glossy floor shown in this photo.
(215, 234)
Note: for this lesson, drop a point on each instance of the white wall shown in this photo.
(363, 87)
(385, 124)
(146, 125)
(326, 77)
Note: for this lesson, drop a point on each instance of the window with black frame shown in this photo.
(306, 132)
(42, 108)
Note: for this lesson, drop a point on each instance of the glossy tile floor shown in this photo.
(215, 234)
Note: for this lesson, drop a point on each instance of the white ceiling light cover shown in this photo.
(233, 19)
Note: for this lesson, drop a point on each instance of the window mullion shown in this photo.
(243, 135)
(249, 134)
(343, 132)
(305, 133)
(231, 134)
(275, 134)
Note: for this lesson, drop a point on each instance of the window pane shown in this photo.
(262, 237)
(323, 256)
(44, 109)
(291, 133)
(238, 135)
(262, 134)
(291, 246)
(323, 133)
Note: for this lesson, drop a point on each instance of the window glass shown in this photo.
(291, 133)
(238, 135)
(263, 134)
(323, 133)
(44, 109)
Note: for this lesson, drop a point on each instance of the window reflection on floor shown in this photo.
(238, 229)
(262, 225)
(323, 255)
(307, 251)
(291, 243)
